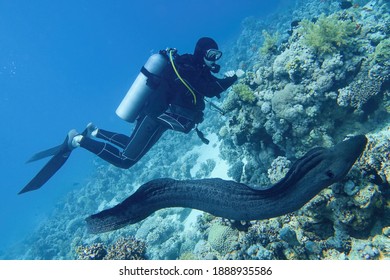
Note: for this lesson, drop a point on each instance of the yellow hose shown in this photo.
(180, 78)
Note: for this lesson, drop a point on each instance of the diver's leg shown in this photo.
(147, 132)
(117, 139)
(106, 152)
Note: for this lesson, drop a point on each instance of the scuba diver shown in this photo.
(168, 93)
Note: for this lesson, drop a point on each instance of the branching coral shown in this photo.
(328, 33)
(382, 53)
(244, 92)
(270, 43)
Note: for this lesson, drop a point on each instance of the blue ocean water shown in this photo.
(64, 64)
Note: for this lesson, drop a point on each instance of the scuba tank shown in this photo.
(147, 82)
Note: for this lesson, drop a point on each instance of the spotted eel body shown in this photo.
(316, 170)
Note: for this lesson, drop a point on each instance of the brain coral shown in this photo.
(285, 102)
(222, 238)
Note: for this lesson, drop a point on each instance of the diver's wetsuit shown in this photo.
(145, 134)
(175, 110)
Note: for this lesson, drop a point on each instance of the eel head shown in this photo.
(340, 158)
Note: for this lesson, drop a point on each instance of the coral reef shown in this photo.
(359, 91)
(205, 169)
(279, 168)
(126, 249)
(315, 95)
(304, 99)
(123, 249)
(92, 252)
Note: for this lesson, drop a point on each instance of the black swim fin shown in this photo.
(61, 155)
(45, 153)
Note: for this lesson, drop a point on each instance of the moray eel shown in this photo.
(316, 170)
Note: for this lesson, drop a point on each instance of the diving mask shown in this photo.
(212, 55)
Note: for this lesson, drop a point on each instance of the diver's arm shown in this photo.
(226, 82)
(217, 86)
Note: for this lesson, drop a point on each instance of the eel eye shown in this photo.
(330, 174)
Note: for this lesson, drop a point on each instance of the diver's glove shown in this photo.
(230, 73)
(239, 73)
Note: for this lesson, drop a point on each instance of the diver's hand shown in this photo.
(239, 73)
(230, 73)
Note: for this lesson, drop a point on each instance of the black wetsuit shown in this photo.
(176, 109)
